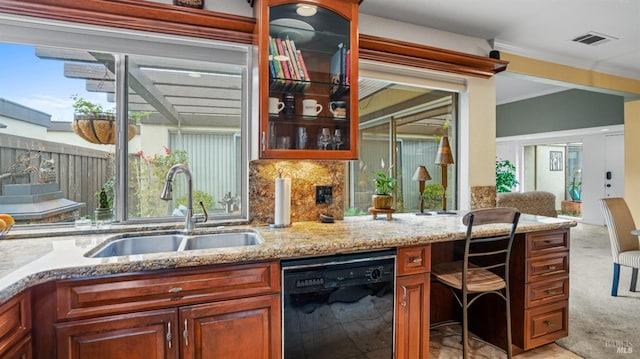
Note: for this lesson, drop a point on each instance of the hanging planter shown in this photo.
(94, 124)
(99, 128)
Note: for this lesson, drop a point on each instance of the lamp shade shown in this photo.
(444, 156)
(421, 174)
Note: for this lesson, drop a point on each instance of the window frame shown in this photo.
(120, 42)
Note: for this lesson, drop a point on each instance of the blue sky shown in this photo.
(40, 83)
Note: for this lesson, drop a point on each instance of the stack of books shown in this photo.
(286, 65)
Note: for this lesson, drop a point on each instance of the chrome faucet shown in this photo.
(190, 219)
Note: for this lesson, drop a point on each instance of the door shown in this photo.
(144, 335)
(614, 166)
(247, 328)
(412, 316)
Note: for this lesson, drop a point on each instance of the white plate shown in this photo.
(297, 30)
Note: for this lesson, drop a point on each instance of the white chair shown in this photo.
(625, 247)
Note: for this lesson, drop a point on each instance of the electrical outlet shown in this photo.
(324, 194)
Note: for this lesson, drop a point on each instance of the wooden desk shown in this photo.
(539, 288)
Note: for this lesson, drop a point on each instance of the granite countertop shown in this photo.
(27, 261)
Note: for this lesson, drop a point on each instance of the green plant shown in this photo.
(198, 196)
(85, 107)
(505, 176)
(383, 183)
(432, 195)
(103, 202)
(137, 116)
(149, 175)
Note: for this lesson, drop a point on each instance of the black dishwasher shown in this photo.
(339, 306)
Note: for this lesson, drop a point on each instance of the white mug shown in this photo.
(311, 107)
(275, 106)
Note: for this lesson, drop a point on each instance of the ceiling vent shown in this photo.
(593, 38)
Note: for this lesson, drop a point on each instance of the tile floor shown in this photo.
(445, 344)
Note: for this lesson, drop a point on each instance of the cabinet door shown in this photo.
(308, 63)
(247, 328)
(144, 335)
(412, 316)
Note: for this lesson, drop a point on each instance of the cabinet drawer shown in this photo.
(412, 260)
(540, 268)
(15, 320)
(540, 243)
(119, 294)
(547, 291)
(546, 324)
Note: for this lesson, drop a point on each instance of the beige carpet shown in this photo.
(600, 326)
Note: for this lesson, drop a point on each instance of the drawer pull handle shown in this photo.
(552, 267)
(548, 323)
(416, 260)
(185, 334)
(548, 241)
(551, 291)
(404, 296)
(169, 336)
(175, 290)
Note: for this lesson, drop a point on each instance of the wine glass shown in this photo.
(337, 138)
(325, 137)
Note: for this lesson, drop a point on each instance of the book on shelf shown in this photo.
(282, 59)
(338, 69)
(279, 73)
(304, 66)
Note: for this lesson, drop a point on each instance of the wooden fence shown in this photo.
(80, 171)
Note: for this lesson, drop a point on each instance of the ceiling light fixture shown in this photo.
(306, 10)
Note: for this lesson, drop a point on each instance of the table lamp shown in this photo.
(421, 176)
(444, 158)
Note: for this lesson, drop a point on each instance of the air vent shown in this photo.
(593, 38)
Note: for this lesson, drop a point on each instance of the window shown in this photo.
(400, 128)
(182, 100)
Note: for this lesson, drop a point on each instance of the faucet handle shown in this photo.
(206, 215)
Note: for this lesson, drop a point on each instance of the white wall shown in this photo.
(593, 161)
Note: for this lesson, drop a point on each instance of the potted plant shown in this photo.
(104, 212)
(505, 176)
(384, 185)
(95, 124)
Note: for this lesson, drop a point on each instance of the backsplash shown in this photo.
(305, 176)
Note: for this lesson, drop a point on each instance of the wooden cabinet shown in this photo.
(412, 302)
(540, 288)
(246, 328)
(144, 335)
(215, 312)
(15, 327)
(308, 56)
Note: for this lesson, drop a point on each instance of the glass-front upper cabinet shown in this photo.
(308, 79)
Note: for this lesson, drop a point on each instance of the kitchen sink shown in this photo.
(221, 240)
(173, 242)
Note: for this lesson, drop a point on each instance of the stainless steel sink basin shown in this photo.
(173, 242)
(220, 240)
(139, 245)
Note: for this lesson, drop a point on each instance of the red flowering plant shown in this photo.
(150, 172)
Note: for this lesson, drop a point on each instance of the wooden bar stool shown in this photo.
(485, 266)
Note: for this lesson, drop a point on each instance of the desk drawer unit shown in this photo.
(542, 278)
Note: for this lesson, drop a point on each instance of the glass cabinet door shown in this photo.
(307, 56)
